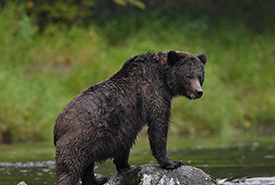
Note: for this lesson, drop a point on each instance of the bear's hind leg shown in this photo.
(121, 162)
(89, 178)
(65, 179)
(66, 174)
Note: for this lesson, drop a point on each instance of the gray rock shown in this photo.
(22, 183)
(152, 174)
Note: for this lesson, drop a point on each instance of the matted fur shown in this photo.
(103, 121)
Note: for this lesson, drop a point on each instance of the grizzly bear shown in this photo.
(103, 121)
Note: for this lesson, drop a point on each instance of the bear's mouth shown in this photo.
(189, 97)
(193, 95)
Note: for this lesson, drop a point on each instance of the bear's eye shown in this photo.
(188, 77)
(201, 79)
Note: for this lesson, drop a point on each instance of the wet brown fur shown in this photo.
(103, 121)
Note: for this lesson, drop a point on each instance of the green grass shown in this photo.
(41, 72)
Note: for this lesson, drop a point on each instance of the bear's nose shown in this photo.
(199, 93)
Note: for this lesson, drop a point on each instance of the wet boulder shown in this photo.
(152, 174)
(22, 183)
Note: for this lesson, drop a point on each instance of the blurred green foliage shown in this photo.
(69, 12)
(51, 50)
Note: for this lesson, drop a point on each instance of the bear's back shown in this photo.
(115, 99)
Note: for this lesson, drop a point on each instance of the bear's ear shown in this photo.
(172, 57)
(202, 57)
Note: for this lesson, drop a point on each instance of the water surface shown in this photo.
(231, 161)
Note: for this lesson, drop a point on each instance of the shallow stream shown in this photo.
(231, 161)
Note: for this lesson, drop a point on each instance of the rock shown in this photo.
(153, 174)
(22, 183)
(247, 181)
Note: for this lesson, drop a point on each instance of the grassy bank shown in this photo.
(40, 72)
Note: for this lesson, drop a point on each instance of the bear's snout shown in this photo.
(196, 90)
(199, 93)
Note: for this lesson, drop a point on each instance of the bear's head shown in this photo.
(186, 74)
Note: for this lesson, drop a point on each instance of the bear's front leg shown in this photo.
(89, 178)
(158, 132)
(121, 162)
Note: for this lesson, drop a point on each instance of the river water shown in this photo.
(231, 161)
